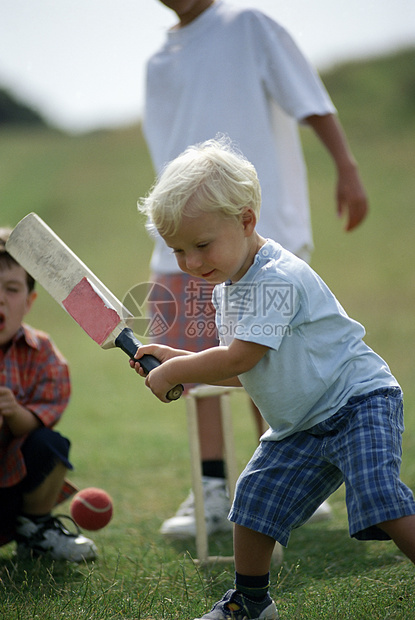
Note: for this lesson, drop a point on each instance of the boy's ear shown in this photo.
(29, 301)
(248, 220)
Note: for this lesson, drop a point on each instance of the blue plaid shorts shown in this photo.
(361, 445)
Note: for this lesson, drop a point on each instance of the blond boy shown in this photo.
(333, 407)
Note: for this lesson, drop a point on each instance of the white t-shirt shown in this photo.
(237, 72)
(317, 359)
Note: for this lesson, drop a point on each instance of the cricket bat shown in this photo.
(73, 285)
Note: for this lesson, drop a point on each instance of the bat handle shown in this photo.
(128, 343)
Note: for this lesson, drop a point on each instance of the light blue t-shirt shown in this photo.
(317, 359)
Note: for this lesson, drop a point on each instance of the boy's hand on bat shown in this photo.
(159, 351)
(157, 380)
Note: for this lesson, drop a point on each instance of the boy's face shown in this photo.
(214, 247)
(15, 300)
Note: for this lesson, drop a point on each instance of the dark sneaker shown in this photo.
(236, 606)
(50, 537)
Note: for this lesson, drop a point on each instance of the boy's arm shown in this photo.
(47, 393)
(19, 420)
(217, 366)
(351, 195)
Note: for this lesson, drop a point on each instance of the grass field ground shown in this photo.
(127, 442)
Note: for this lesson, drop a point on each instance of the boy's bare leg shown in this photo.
(253, 551)
(42, 500)
(402, 532)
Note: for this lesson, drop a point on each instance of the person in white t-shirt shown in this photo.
(233, 71)
(334, 409)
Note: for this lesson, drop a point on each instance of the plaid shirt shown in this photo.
(38, 375)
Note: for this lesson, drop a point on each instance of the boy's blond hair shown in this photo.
(209, 177)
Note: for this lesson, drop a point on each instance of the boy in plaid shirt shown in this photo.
(34, 392)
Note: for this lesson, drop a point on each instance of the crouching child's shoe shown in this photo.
(237, 606)
(49, 537)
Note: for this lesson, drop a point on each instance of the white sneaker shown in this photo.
(217, 505)
(51, 538)
(323, 513)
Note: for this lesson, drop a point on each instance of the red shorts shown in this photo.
(192, 321)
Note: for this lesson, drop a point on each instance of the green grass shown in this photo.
(127, 442)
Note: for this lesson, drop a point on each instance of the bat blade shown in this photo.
(75, 287)
(53, 264)
(91, 311)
